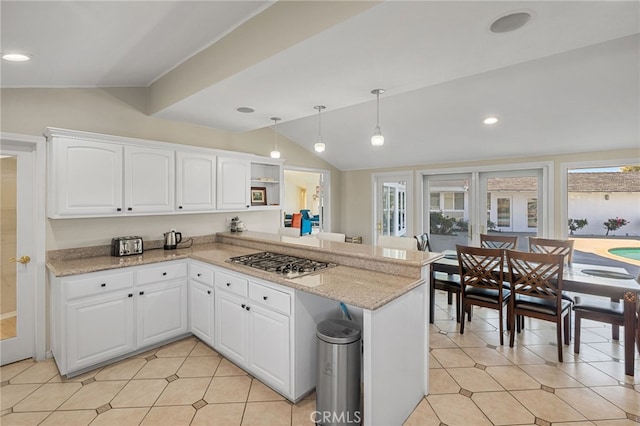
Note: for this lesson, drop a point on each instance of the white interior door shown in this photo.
(17, 243)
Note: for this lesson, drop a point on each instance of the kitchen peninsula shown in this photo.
(384, 289)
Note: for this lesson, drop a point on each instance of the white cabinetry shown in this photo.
(101, 316)
(93, 175)
(201, 301)
(253, 327)
(233, 183)
(162, 302)
(149, 177)
(268, 176)
(85, 178)
(195, 181)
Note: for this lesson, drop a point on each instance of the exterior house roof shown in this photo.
(577, 182)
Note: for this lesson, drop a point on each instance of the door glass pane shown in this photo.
(394, 208)
(448, 212)
(532, 212)
(8, 308)
(504, 213)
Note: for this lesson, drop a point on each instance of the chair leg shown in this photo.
(559, 339)
(576, 341)
(449, 297)
(458, 306)
(462, 321)
(615, 332)
(567, 328)
(512, 334)
(501, 329)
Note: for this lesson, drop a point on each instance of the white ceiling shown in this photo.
(566, 82)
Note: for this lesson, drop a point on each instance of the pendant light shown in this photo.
(377, 139)
(319, 146)
(275, 153)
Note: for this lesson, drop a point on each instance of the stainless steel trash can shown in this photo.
(338, 373)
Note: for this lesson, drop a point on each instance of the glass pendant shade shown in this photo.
(319, 146)
(275, 153)
(377, 139)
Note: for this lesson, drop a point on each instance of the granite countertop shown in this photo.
(360, 279)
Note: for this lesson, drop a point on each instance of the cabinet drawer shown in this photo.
(202, 274)
(274, 299)
(231, 283)
(164, 272)
(95, 285)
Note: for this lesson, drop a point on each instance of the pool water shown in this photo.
(628, 252)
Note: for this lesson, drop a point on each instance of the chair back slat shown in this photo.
(503, 242)
(536, 274)
(423, 242)
(548, 246)
(481, 267)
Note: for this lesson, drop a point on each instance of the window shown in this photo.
(504, 212)
(434, 202)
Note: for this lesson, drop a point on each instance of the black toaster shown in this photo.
(126, 246)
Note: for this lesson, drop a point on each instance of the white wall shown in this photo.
(594, 207)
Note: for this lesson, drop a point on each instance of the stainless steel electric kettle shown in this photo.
(172, 239)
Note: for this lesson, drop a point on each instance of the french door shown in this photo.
(393, 205)
(17, 224)
(458, 207)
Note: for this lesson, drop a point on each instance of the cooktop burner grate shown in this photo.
(283, 264)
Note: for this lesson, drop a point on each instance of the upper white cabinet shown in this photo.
(195, 181)
(85, 178)
(233, 183)
(92, 175)
(149, 177)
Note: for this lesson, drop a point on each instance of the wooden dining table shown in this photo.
(596, 280)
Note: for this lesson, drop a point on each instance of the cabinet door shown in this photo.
(195, 182)
(231, 319)
(233, 184)
(269, 347)
(86, 178)
(99, 329)
(201, 311)
(162, 311)
(149, 177)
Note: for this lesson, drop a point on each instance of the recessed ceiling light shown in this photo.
(490, 120)
(510, 22)
(15, 57)
(245, 110)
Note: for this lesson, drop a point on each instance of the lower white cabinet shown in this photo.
(101, 316)
(201, 303)
(252, 333)
(99, 328)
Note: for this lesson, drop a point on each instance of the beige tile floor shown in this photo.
(473, 381)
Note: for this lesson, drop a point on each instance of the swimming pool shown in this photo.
(628, 252)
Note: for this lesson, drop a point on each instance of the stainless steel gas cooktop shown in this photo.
(282, 264)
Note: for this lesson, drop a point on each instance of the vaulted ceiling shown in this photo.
(567, 81)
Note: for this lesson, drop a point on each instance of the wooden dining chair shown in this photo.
(504, 242)
(549, 246)
(536, 291)
(597, 310)
(422, 241)
(481, 278)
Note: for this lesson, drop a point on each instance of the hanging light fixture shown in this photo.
(275, 153)
(377, 139)
(319, 146)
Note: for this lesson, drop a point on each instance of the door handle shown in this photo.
(24, 260)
